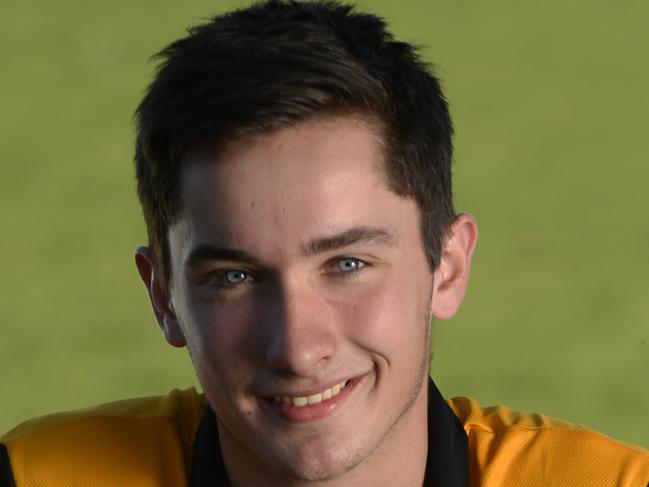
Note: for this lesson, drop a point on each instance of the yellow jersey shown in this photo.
(172, 440)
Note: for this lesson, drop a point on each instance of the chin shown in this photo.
(319, 462)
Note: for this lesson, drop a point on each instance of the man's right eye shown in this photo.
(229, 278)
(237, 276)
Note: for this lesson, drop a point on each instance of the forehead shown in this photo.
(313, 178)
(308, 148)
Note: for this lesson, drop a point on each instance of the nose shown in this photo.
(301, 336)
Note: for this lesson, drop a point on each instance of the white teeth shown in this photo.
(315, 399)
(301, 401)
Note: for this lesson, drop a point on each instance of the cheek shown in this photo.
(387, 316)
(220, 336)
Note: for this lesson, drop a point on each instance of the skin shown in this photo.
(294, 267)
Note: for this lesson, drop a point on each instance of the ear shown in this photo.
(452, 274)
(160, 298)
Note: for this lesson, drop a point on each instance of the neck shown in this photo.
(399, 458)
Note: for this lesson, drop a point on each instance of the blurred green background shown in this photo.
(551, 107)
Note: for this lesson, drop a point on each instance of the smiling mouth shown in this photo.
(301, 401)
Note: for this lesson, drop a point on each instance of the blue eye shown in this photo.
(237, 276)
(229, 280)
(349, 264)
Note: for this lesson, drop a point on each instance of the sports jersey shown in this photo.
(172, 440)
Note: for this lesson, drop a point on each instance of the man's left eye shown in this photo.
(349, 264)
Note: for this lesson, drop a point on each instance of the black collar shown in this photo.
(446, 464)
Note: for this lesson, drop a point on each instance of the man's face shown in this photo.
(299, 277)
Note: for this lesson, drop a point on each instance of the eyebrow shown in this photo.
(353, 235)
(208, 252)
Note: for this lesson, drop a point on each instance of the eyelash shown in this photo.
(219, 278)
(359, 263)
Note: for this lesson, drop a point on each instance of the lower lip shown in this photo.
(312, 412)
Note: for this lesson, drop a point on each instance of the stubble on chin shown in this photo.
(287, 465)
(352, 459)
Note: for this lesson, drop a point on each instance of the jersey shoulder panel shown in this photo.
(144, 441)
(510, 448)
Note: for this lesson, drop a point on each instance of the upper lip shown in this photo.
(307, 392)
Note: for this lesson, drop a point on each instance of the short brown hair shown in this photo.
(275, 64)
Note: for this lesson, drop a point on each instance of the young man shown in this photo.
(293, 164)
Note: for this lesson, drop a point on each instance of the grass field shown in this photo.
(551, 109)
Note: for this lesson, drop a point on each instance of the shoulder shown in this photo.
(130, 439)
(517, 448)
